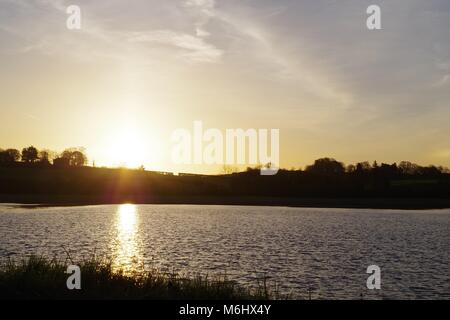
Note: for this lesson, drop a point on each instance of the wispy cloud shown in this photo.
(95, 39)
(196, 49)
(205, 11)
(443, 81)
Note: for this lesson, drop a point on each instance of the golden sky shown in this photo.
(137, 71)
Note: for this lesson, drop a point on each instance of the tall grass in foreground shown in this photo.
(42, 278)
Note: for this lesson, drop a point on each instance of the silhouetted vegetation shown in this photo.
(40, 278)
(65, 176)
(326, 166)
(9, 156)
(72, 157)
(30, 154)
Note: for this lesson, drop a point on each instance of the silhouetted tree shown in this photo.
(326, 166)
(46, 156)
(75, 156)
(9, 156)
(30, 154)
(388, 170)
(61, 162)
(363, 167)
(409, 168)
(443, 169)
(430, 171)
(14, 154)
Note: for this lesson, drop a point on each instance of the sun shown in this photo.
(127, 148)
(129, 143)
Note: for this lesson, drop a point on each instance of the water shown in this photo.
(326, 250)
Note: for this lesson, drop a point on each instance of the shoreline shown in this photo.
(349, 203)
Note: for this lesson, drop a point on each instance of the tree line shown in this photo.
(72, 157)
(76, 157)
(331, 166)
(325, 178)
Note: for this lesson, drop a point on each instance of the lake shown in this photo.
(324, 251)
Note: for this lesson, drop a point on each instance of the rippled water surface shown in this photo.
(326, 250)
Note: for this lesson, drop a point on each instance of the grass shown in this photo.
(42, 278)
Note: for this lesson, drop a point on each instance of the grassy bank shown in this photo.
(41, 278)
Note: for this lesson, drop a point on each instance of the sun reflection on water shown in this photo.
(127, 253)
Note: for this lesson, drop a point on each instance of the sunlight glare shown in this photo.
(127, 148)
(127, 248)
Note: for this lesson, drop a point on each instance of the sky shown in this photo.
(138, 70)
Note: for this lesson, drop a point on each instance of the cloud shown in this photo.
(286, 41)
(97, 38)
(443, 81)
(256, 40)
(205, 12)
(196, 49)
